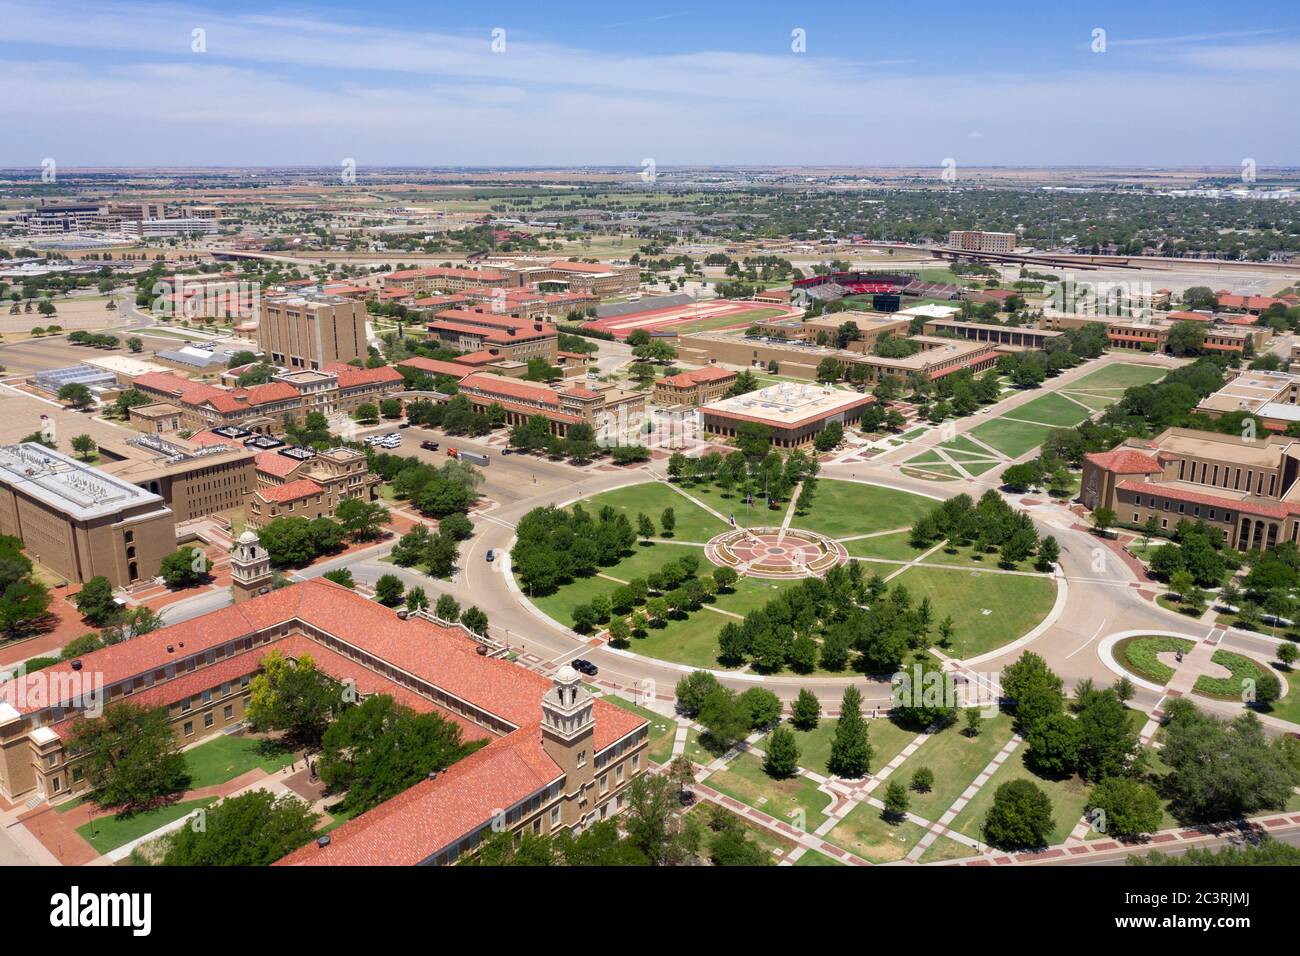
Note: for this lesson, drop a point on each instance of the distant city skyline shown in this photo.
(509, 84)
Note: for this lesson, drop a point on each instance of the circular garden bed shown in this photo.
(1140, 656)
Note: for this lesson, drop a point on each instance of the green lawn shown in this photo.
(987, 609)
(109, 833)
(946, 848)
(1013, 439)
(1288, 707)
(795, 800)
(813, 858)
(644, 559)
(1068, 799)
(843, 508)
(956, 761)
(1119, 376)
(866, 833)
(1140, 655)
(225, 758)
(969, 557)
(889, 547)
(1050, 409)
(778, 846)
(693, 523)
(663, 730)
(723, 321)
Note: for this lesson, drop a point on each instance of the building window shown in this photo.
(604, 783)
(189, 728)
(229, 712)
(186, 704)
(208, 719)
(582, 758)
(555, 816)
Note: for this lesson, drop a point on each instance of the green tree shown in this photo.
(84, 446)
(668, 521)
(1129, 808)
(417, 600)
(184, 568)
(896, 801)
(850, 750)
(341, 576)
(362, 519)
(95, 601)
(294, 697)
(1020, 817)
(389, 589)
(922, 780)
(252, 829)
(76, 395)
(447, 608)
(782, 750)
(476, 621)
(129, 756)
(807, 710)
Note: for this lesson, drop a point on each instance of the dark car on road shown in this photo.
(429, 445)
(584, 666)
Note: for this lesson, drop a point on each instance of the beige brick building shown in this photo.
(80, 521)
(310, 330)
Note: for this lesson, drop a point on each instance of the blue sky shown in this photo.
(419, 83)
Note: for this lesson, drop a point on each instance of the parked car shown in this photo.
(429, 445)
(584, 666)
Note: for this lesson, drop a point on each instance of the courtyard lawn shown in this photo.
(644, 559)
(1120, 375)
(1097, 402)
(1140, 655)
(663, 730)
(865, 833)
(987, 609)
(692, 640)
(693, 522)
(795, 800)
(748, 594)
(1068, 798)
(843, 508)
(695, 751)
(225, 758)
(956, 761)
(931, 472)
(756, 515)
(110, 832)
(1013, 439)
(780, 847)
(887, 547)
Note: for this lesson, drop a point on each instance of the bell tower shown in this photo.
(250, 568)
(568, 737)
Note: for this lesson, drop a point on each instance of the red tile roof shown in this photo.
(435, 367)
(290, 491)
(1125, 461)
(273, 463)
(1267, 509)
(510, 388)
(350, 376)
(697, 376)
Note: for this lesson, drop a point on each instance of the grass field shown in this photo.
(723, 321)
(795, 800)
(225, 758)
(843, 508)
(109, 833)
(1050, 410)
(663, 730)
(865, 832)
(888, 547)
(1120, 375)
(987, 609)
(1068, 796)
(887, 741)
(956, 761)
(1013, 439)
(693, 523)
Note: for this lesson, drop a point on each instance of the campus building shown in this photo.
(795, 413)
(1273, 397)
(1152, 335)
(311, 330)
(555, 759)
(975, 241)
(695, 387)
(935, 357)
(193, 479)
(1244, 486)
(499, 334)
(448, 279)
(266, 409)
(297, 482)
(614, 413)
(1002, 335)
(80, 521)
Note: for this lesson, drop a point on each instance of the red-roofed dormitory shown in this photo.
(556, 757)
